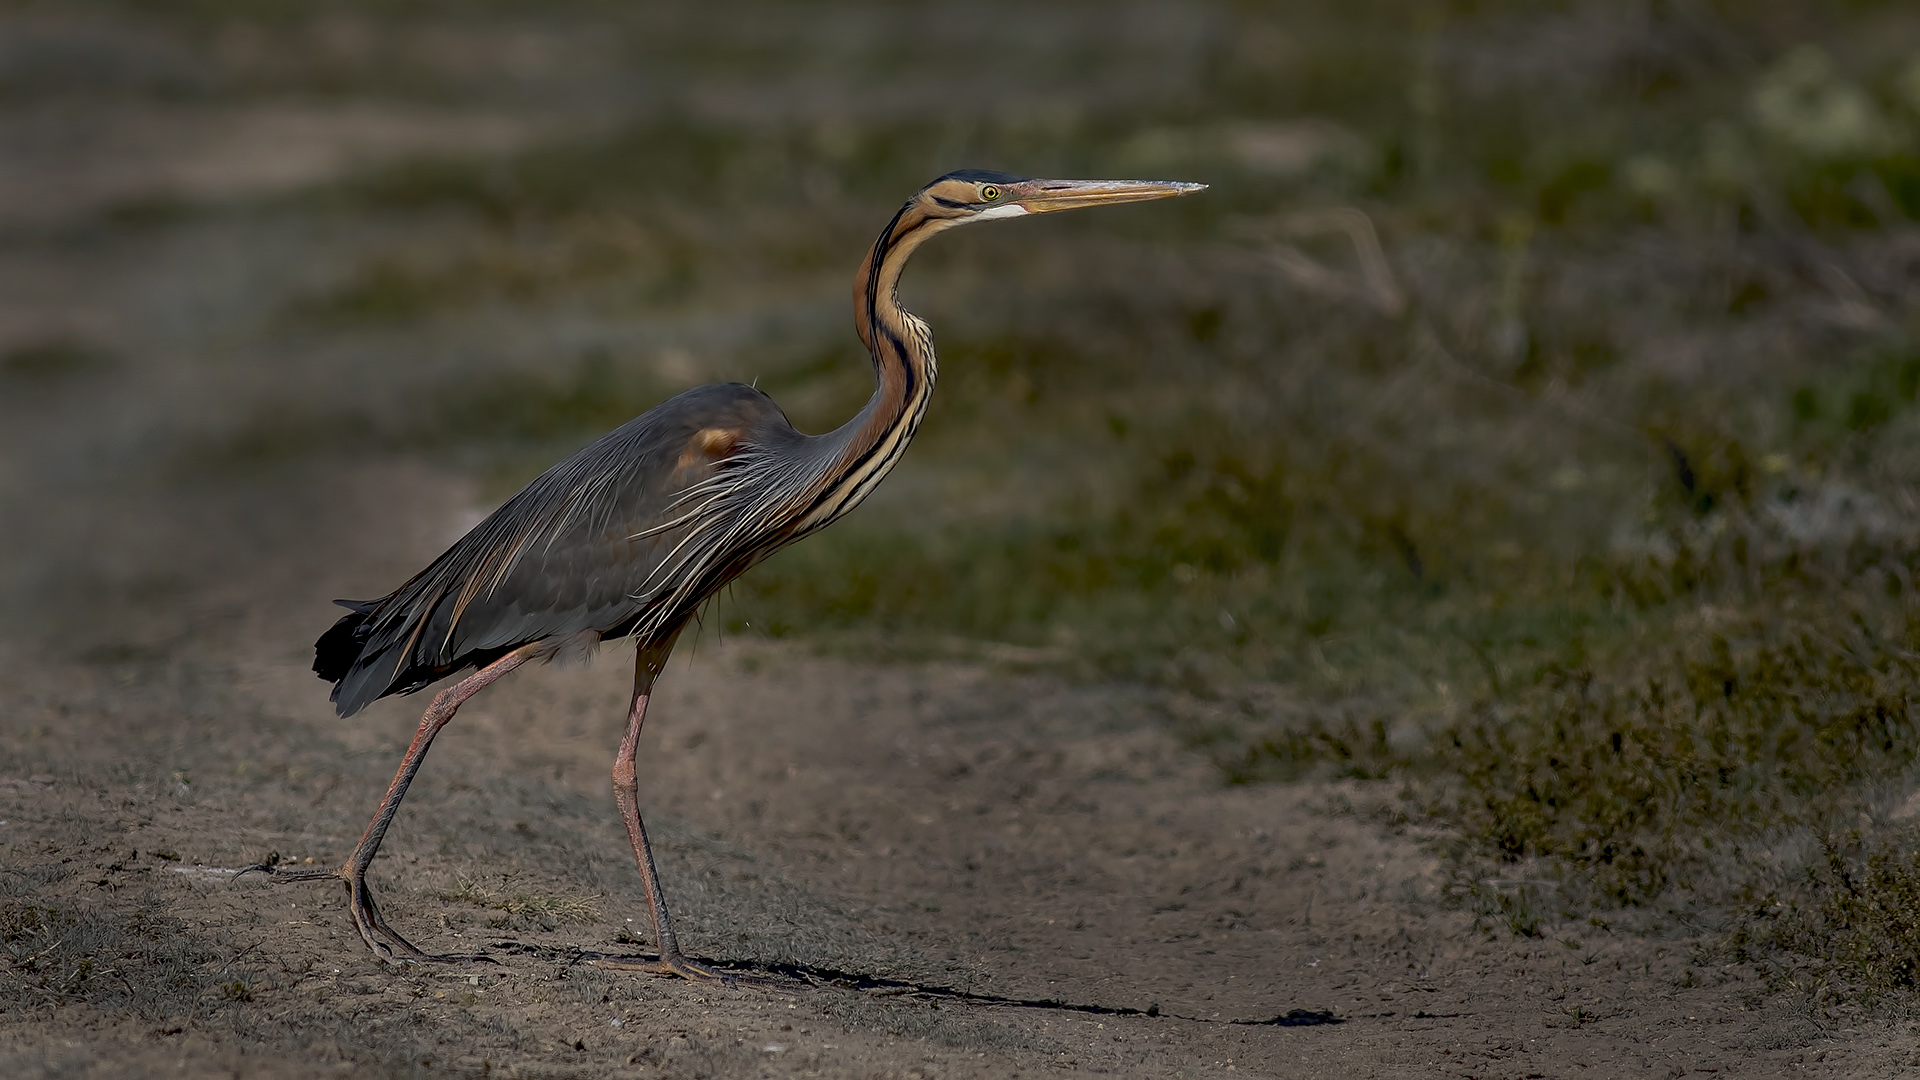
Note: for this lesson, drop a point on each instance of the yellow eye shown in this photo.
(989, 193)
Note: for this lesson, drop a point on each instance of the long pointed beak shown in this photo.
(1046, 196)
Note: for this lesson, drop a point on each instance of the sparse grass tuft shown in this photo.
(56, 953)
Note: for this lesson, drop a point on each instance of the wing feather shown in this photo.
(628, 536)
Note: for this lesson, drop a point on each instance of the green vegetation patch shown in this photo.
(52, 359)
(1641, 773)
(1851, 916)
(512, 424)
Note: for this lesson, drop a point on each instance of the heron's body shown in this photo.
(632, 534)
(577, 552)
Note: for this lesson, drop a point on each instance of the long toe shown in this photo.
(384, 940)
(388, 944)
(692, 970)
(282, 876)
(391, 946)
(396, 949)
(404, 952)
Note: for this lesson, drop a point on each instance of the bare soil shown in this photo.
(953, 871)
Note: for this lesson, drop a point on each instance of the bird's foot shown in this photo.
(384, 940)
(676, 963)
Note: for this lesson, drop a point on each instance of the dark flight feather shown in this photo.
(602, 542)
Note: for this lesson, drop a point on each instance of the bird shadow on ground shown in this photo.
(809, 977)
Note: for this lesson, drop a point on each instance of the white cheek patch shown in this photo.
(1012, 209)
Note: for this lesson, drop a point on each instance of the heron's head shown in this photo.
(979, 195)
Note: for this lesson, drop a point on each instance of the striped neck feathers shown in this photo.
(903, 365)
(899, 342)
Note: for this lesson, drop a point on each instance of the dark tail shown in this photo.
(364, 670)
(334, 654)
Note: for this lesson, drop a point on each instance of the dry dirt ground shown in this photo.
(956, 872)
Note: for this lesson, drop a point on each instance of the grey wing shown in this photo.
(629, 535)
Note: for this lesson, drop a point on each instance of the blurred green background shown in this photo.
(1525, 417)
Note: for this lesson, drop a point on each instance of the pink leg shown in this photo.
(648, 664)
(385, 942)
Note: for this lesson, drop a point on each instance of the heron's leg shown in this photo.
(652, 658)
(385, 942)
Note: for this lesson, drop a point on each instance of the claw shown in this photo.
(386, 943)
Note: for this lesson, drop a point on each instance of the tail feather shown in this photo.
(340, 646)
(364, 670)
(340, 649)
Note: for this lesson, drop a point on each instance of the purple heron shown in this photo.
(631, 535)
